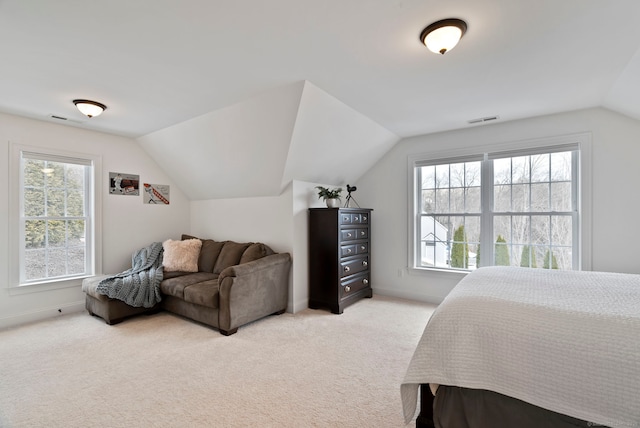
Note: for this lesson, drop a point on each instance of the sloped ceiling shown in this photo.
(160, 65)
(257, 147)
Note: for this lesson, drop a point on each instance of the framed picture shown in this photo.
(124, 184)
(155, 194)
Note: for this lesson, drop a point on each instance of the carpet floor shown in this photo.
(310, 369)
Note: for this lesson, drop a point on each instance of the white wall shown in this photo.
(278, 221)
(614, 196)
(128, 224)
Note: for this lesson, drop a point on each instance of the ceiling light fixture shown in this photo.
(90, 108)
(444, 35)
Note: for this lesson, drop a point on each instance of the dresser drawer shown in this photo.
(345, 218)
(349, 234)
(354, 266)
(354, 249)
(359, 218)
(353, 284)
(349, 250)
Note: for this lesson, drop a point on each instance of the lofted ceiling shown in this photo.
(271, 87)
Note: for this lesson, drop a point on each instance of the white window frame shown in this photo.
(582, 141)
(16, 236)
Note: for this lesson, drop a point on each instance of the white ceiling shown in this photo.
(160, 63)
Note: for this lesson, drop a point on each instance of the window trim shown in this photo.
(95, 206)
(551, 144)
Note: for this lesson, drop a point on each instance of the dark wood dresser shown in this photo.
(339, 257)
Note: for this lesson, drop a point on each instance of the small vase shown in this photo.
(332, 203)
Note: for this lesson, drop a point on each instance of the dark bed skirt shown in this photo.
(455, 407)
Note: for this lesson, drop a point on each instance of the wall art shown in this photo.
(124, 184)
(156, 194)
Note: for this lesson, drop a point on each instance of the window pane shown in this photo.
(457, 175)
(442, 201)
(540, 230)
(520, 197)
(442, 176)
(502, 171)
(457, 200)
(55, 202)
(56, 233)
(35, 264)
(472, 174)
(561, 166)
(33, 173)
(434, 245)
(539, 197)
(502, 198)
(76, 232)
(76, 261)
(473, 200)
(502, 228)
(520, 170)
(561, 196)
(540, 168)
(33, 202)
(57, 263)
(34, 233)
(75, 203)
(428, 177)
(561, 230)
(75, 176)
(562, 258)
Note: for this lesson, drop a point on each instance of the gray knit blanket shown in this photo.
(140, 285)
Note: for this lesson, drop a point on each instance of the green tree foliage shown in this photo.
(549, 256)
(528, 257)
(502, 252)
(460, 249)
(52, 191)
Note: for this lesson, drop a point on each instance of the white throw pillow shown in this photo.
(181, 255)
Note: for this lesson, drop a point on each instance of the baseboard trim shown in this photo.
(408, 295)
(41, 314)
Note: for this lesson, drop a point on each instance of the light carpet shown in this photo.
(310, 369)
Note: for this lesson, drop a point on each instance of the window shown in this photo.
(516, 208)
(56, 225)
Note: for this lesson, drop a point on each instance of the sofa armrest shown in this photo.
(252, 290)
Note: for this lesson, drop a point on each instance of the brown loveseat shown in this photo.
(236, 283)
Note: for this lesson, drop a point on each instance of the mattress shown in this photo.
(566, 341)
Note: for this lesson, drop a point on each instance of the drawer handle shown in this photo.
(349, 235)
(347, 268)
(362, 247)
(347, 288)
(364, 218)
(365, 281)
(364, 263)
(348, 250)
(362, 233)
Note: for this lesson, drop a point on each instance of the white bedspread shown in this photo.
(565, 341)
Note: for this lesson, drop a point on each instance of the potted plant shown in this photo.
(331, 197)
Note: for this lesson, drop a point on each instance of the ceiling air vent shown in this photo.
(63, 119)
(483, 119)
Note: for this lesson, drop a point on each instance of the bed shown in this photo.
(520, 346)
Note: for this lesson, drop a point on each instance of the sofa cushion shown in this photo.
(175, 286)
(254, 252)
(208, 253)
(181, 255)
(230, 255)
(203, 293)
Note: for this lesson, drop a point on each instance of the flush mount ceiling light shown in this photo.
(90, 108)
(444, 35)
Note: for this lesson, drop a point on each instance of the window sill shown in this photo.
(39, 287)
(423, 271)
